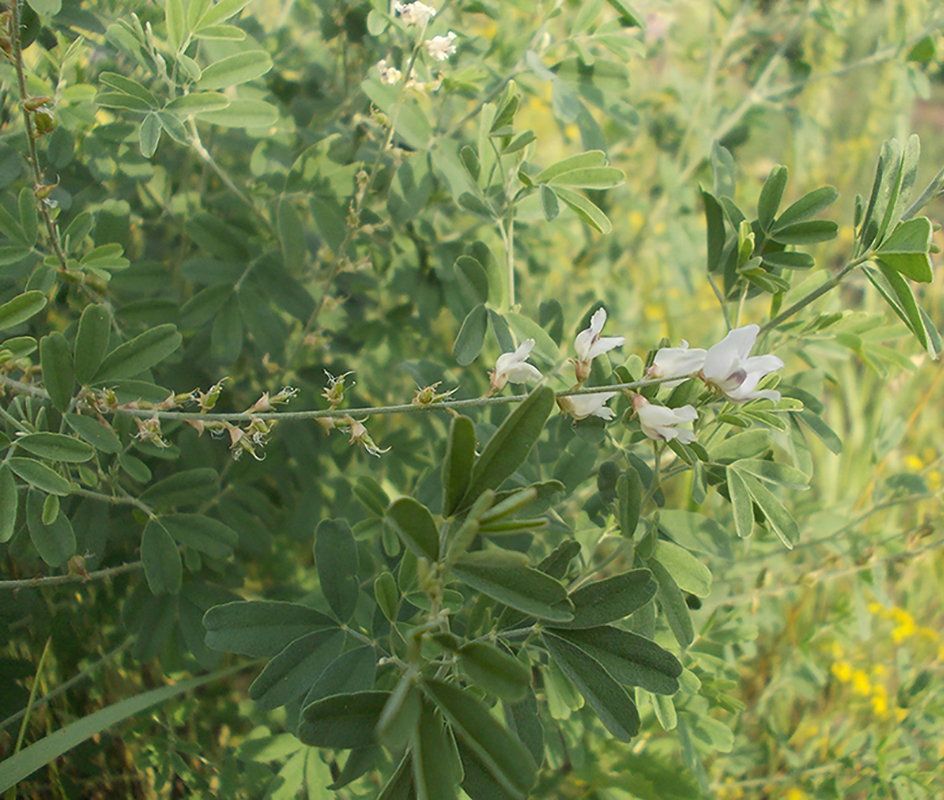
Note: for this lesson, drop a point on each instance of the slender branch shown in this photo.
(116, 500)
(57, 580)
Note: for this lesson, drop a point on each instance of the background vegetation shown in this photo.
(303, 225)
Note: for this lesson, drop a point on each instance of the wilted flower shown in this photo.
(441, 47)
(672, 361)
(581, 406)
(414, 13)
(359, 435)
(659, 422)
(388, 73)
(589, 344)
(149, 430)
(514, 367)
(207, 400)
(731, 369)
(266, 403)
(428, 395)
(334, 391)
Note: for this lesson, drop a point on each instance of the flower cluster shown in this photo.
(414, 14)
(440, 48)
(726, 368)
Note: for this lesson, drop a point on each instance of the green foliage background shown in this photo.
(300, 217)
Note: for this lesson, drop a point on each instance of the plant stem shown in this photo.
(56, 580)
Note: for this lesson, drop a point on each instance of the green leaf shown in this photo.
(176, 22)
(771, 195)
(774, 472)
(471, 336)
(504, 756)
(400, 785)
(898, 294)
(174, 127)
(235, 69)
(17, 767)
(220, 12)
(162, 565)
(149, 134)
(342, 721)
(673, 605)
(415, 526)
(584, 209)
(353, 671)
(522, 588)
(400, 714)
(589, 178)
(291, 673)
(40, 476)
(128, 86)
(630, 658)
(494, 671)
(822, 431)
(56, 447)
(139, 354)
(592, 158)
(54, 542)
(526, 328)
(742, 445)
(457, 464)
(207, 535)
(46, 8)
(412, 126)
(29, 219)
(386, 594)
(472, 279)
(511, 443)
(689, 573)
(434, 777)
(260, 628)
(787, 259)
(777, 516)
(189, 487)
(907, 250)
(56, 360)
(626, 12)
(221, 33)
(197, 102)
(8, 504)
(741, 506)
(549, 204)
(809, 232)
(336, 560)
(606, 697)
(127, 102)
(629, 501)
(611, 599)
(96, 433)
(91, 342)
(807, 206)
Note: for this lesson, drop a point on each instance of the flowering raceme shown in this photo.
(589, 344)
(514, 367)
(389, 74)
(441, 47)
(660, 423)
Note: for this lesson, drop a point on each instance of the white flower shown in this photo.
(389, 75)
(672, 361)
(514, 367)
(441, 47)
(731, 369)
(581, 406)
(414, 13)
(659, 422)
(589, 344)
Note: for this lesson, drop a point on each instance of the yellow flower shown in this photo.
(842, 670)
(880, 705)
(860, 683)
(934, 480)
(796, 794)
(876, 608)
(878, 670)
(914, 463)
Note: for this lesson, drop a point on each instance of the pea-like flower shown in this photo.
(441, 47)
(514, 367)
(589, 344)
(682, 361)
(661, 423)
(418, 14)
(581, 406)
(730, 367)
(389, 74)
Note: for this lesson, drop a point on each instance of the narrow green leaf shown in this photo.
(907, 250)
(127, 102)
(55, 542)
(494, 671)
(807, 206)
(39, 475)
(611, 599)
(8, 504)
(139, 354)
(526, 328)
(606, 697)
(689, 573)
(777, 516)
(225, 33)
(673, 605)
(458, 462)
(788, 259)
(342, 721)
(471, 336)
(260, 627)
(336, 560)
(590, 178)
(592, 158)
(149, 134)
(189, 487)
(291, 673)
(822, 431)
(56, 447)
(771, 195)
(176, 22)
(29, 218)
(205, 534)
(415, 526)
(96, 433)
(433, 773)
(749, 444)
(174, 127)
(163, 567)
(809, 232)
(472, 279)
(220, 12)
(386, 594)
(898, 294)
(197, 102)
(504, 756)
(55, 357)
(629, 495)
(511, 443)
(235, 69)
(126, 85)
(400, 785)
(522, 588)
(549, 204)
(584, 209)
(353, 671)
(775, 472)
(91, 342)
(741, 506)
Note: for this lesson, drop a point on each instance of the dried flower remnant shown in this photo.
(359, 435)
(149, 430)
(334, 391)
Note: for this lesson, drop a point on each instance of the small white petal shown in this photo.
(592, 405)
(606, 344)
(523, 373)
(672, 361)
(659, 422)
(597, 321)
